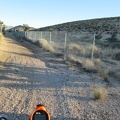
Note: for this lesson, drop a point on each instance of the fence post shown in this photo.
(35, 35)
(30, 35)
(25, 34)
(41, 36)
(50, 38)
(93, 47)
(65, 46)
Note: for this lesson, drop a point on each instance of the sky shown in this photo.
(41, 13)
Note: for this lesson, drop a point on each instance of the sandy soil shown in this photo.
(30, 76)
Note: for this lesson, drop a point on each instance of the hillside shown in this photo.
(8, 27)
(20, 28)
(98, 25)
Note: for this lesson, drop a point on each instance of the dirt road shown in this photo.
(30, 76)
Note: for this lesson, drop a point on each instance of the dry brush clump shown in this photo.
(96, 50)
(97, 62)
(46, 45)
(73, 58)
(109, 52)
(99, 93)
(1, 35)
(115, 72)
(76, 49)
(83, 49)
(102, 72)
(88, 64)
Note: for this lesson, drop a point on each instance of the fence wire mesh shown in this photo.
(75, 44)
(69, 43)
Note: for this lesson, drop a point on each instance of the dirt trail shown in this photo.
(30, 76)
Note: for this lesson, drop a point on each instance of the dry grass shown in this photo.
(75, 48)
(1, 35)
(88, 64)
(99, 93)
(115, 72)
(97, 62)
(84, 49)
(45, 45)
(90, 47)
(103, 73)
(74, 59)
(109, 52)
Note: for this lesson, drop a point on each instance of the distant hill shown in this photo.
(92, 25)
(20, 28)
(8, 27)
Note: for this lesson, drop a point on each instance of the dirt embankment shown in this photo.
(29, 76)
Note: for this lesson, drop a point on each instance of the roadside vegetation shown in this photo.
(1, 35)
(104, 57)
(46, 45)
(99, 93)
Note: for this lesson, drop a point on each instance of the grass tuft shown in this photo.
(75, 48)
(74, 59)
(103, 73)
(45, 45)
(1, 35)
(88, 64)
(99, 93)
(97, 62)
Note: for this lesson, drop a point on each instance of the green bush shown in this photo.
(99, 36)
(113, 37)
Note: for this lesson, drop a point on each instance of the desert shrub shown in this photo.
(99, 36)
(89, 50)
(117, 56)
(110, 52)
(99, 93)
(103, 73)
(88, 64)
(45, 45)
(117, 74)
(113, 38)
(74, 59)
(97, 61)
(1, 35)
(85, 49)
(96, 49)
(76, 48)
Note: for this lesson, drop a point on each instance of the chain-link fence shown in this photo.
(55, 39)
(75, 44)
(86, 49)
(69, 43)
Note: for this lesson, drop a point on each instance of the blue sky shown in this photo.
(40, 13)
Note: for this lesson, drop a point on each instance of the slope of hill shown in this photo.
(92, 25)
(8, 27)
(20, 28)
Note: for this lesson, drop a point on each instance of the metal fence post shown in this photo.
(24, 34)
(50, 38)
(93, 47)
(41, 36)
(35, 36)
(65, 46)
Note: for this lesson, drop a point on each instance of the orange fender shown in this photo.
(40, 108)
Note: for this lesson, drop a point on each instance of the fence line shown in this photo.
(93, 47)
(79, 44)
